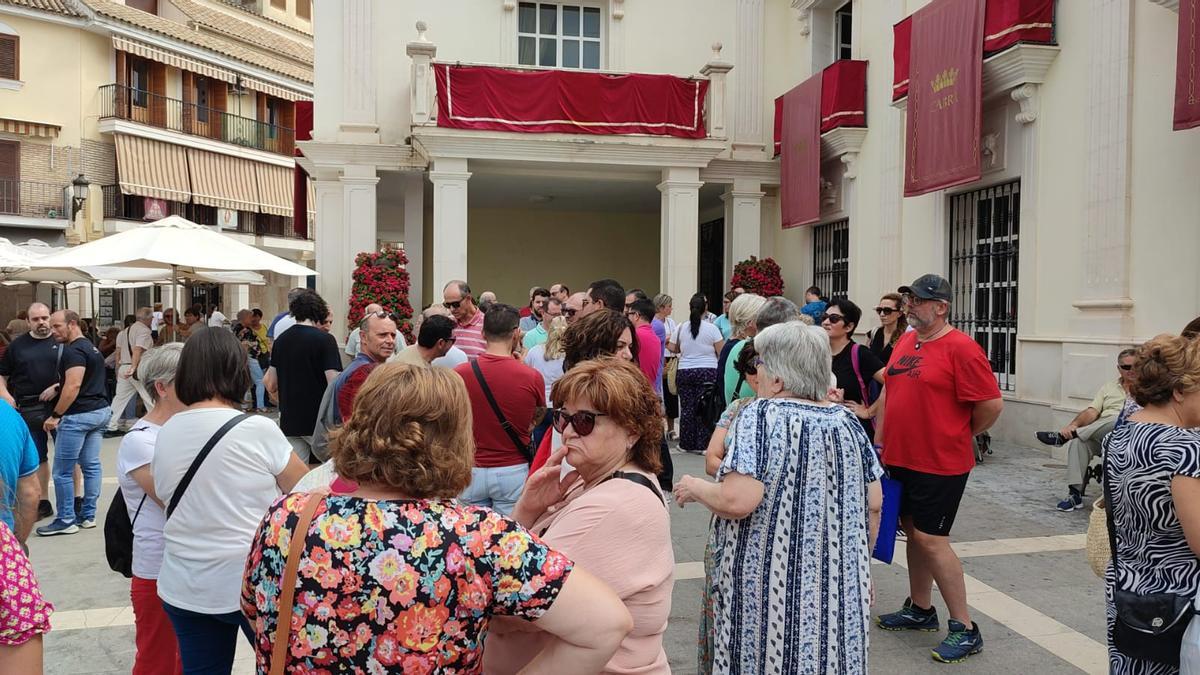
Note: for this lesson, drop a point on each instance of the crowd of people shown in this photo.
(452, 505)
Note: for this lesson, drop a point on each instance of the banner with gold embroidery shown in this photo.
(1187, 79)
(800, 154)
(944, 96)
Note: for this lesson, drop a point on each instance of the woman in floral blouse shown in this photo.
(398, 576)
(24, 613)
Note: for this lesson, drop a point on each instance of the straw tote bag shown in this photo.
(1099, 551)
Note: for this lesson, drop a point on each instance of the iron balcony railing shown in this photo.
(138, 105)
(118, 206)
(31, 199)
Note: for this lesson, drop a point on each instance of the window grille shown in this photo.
(831, 258)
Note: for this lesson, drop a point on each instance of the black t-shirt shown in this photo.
(883, 351)
(30, 365)
(300, 357)
(92, 392)
(847, 381)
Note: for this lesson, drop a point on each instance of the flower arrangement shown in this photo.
(380, 277)
(758, 276)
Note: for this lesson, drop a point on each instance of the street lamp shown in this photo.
(79, 194)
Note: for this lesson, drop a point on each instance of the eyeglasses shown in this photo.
(570, 312)
(910, 299)
(583, 422)
(885, 311)
(831, 318)
(1126, 366)
(452, 305)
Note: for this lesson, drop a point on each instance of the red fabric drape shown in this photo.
(1007, 22)
(844, 95)
(901, 44)
(778, 125)
(800, 161)
(945, 96)
(578, 102)
(304, 127)
(1187, 88)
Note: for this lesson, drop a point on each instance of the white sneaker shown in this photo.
(87, 524)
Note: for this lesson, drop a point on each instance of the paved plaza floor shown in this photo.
(1038, 604)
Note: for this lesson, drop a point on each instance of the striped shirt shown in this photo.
(469, 336)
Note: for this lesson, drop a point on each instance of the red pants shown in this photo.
(157, 651)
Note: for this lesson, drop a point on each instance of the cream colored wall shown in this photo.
(509, 251)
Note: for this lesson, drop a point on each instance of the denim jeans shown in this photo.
(497, 488)
(207, 642)
(78, 442)
(260, 390)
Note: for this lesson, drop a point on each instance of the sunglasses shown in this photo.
(1126, 366)
(885, 311)
(583, 422)
(831, 318)
(452, 305)
(570, 312)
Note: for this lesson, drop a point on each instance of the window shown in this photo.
(304, 9)
(558, 36)
(843, 20)
(831, 258)
(139, 81)
(10, 57)
(279, 4)
(202, 99)
(984, 230)
(272, 117)
(10, 174)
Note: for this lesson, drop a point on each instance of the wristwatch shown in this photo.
(56, 415)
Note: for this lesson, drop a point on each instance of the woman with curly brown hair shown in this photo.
(398, 575)
(611, 425)
(1152, 467)
(601, 333)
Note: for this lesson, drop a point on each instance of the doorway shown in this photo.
(712, 264)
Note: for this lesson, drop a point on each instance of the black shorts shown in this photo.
(931, 500)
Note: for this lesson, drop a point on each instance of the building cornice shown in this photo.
(119, 126)
(1172, 5)
(319, 155)
(433, 142)
(765, 172)
(844, 143)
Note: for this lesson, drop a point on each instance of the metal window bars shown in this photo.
(831, 258)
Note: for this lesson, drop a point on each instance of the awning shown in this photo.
(23, 128)
(273, 90)
(152, 169)
(275, 188)
(223, 181)
(171, 59)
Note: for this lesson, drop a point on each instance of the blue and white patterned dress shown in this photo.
(791, 583)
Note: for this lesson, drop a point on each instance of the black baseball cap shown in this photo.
(929, 287)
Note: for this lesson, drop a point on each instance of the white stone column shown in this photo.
(414, 235)
(333, 267)
(423, 94)
(891, 132)
(748, 81)
(449, 178)
(359, 87)
(360, 225)
(743, 222)
(680, 235)
(615, 37)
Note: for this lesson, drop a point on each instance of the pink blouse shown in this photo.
(24, 613)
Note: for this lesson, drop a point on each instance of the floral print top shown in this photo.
(24, 613)
(395, 585)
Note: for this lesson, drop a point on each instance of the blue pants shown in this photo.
(260, 390)
(78, 442)
(207, 642)
(497, 488)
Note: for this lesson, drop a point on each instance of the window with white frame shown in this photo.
(558, 36)
(843, 33)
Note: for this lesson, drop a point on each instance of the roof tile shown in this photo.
(246, 31)
(53, 6)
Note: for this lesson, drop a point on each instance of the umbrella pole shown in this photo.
(66, 300)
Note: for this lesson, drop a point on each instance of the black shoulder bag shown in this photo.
(525, 450)
(32, 408)
(204, 452)
(1149, 626)
(640, 480)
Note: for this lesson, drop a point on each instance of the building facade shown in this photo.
(1076, 241)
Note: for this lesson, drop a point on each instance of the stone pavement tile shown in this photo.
(96, 650)
(1058, 584)
(683, 626)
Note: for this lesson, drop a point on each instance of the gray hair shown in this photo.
(799, 356)
(743, 310)
(662, 300)
(462, 286)
(143, 313)
(159, 365)
(777, 309)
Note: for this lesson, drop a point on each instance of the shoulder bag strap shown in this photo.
(138, 512)
(1106, 484)
(287, 588)
(738, 387)
(640, 480)
(204, 452)
(504, 423)
(862, 386)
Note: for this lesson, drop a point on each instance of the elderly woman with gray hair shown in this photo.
(797, 503)
(157, 650)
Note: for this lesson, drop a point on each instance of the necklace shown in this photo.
(945, 329)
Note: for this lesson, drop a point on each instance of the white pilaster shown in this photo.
(891, 178)
(237, 297)
(358, 123)
(414, 235)
(508, 33)
(743, 222)
(680, 235)
(333, 267)
(748, 81)
(716, 71)
(616, 36)
(449, 177)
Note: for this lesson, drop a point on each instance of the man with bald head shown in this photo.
(138, 340)
(29, 383)
(573, 307)
(468, 319)
(354, 340)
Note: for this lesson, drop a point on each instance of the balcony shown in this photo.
(136, 105)
(30, 199)
(118, 206)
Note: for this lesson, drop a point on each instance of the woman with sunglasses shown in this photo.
(607, 514)
(796, 507)
(892, 324)
(855, 367)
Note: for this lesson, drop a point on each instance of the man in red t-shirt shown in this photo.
(501, 461)
(940, 393)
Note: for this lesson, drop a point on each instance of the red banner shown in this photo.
(901, 44)
(844, 95)
(567, 101)
(1187, 89)
(800, 160)
(304, 127)
(1007, 22)
(944, 96)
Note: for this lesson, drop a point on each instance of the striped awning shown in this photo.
(273, 90)
(275, 188)
(35, 129)
(223, 181)
(152, 169)
(171, 59)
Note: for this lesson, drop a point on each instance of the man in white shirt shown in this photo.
(138, 340)
(216, 319)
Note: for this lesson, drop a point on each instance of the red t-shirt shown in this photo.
(649, 353)
(349, 389)
(931, 392)
(518, 389)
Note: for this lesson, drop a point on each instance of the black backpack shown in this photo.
(118, 535)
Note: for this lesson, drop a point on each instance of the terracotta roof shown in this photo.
(178, 31)
(53, 6)
(236, 4)
(236, 28)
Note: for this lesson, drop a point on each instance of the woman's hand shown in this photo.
(545, 488)
(684, 490)
(860, 411)
(835, 395)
